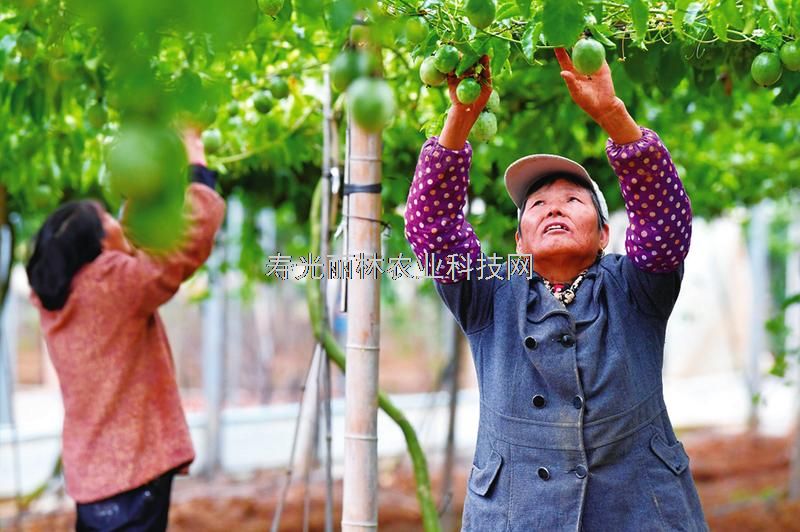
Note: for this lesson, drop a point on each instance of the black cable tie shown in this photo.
(349, 188)
(386, 225)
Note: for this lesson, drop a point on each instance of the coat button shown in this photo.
(543, 473)
(530, 342)
(577, 402)
(567, 340)
(580, 471)
(539, 401)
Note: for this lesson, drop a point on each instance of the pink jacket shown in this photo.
(123, 420)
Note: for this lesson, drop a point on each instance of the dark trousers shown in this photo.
(142, 509)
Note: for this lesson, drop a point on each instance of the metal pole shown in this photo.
(360, 498)
(793, 344)
(758, 236)
(454, 352)
(329, 161)
(213, 346)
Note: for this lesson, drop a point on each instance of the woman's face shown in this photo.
(560, 223)
(114, 239)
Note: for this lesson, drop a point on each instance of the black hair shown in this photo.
(70, 238)
(552, 178)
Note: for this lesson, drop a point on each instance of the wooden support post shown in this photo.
(360, 498)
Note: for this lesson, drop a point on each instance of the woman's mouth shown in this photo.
(555, 227)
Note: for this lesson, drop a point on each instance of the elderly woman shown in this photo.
(125, 433)
(573, 433)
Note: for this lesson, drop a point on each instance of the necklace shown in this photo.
(565, 295)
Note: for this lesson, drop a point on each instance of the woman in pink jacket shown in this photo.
(125, 433)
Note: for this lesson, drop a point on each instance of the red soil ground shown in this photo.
(741, 479)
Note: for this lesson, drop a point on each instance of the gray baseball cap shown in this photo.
(524, 172)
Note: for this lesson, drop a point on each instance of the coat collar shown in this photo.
(533, 304)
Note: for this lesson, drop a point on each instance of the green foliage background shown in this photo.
(681, 67)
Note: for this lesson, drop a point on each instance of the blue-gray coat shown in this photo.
(574, 433)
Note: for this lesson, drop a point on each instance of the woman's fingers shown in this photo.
(564, 60)
(569, 78)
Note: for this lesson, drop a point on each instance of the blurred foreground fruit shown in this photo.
(371, 103)
(157, 224)
(480, 12)
(416, 30)
(147, 161)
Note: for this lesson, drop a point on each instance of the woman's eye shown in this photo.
(537, 203)
(574, 198)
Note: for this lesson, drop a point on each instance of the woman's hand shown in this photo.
(595, 94)
(195, 151)
(461, 117)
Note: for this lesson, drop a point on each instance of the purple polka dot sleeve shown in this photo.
(435, 223)
(659, 211)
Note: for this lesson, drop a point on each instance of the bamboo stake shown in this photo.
(360, 498)
(330, 159)
(323, 334)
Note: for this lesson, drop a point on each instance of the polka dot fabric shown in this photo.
(435, 223)
(659, 211)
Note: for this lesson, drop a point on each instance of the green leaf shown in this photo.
(506, 11)
(671, 69)
(524, 7)
(795, 19)
(732, 14)
(719, 24)
(501, 49)
(639, 14)
(562, 21)
(598, 32)
(341, 14)
(641, 66)
(468, 60)
(779, 8)
(471, 53)
(680, 14)
(530, 39)
(790, 89)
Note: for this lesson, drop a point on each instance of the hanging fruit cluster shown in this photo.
(767, 67)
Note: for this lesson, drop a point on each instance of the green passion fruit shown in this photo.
(468, 91)
(446, 59)
(766, 69)
(485, 127)
(429, 74)
(790, 56)
(588, 56)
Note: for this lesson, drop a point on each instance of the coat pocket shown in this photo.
(481, 480)
(673, 456)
